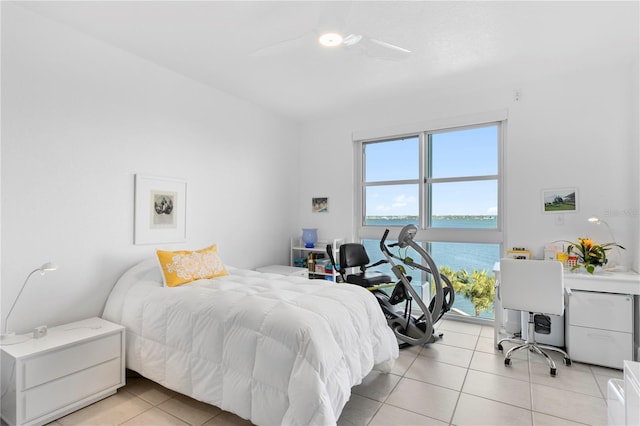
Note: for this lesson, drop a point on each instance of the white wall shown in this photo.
(79, 119)
(635, 167)
(566, 131)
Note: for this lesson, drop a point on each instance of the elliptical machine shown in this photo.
(409, 330)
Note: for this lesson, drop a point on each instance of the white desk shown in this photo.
(613, 288)
(605, 282)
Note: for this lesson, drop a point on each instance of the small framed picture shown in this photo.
(320, 205)
(160, 210)
(563, 200)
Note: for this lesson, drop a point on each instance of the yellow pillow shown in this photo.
(183, 266)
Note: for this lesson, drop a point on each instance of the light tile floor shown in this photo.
(460, 380)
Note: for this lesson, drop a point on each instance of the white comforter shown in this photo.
(270, 348)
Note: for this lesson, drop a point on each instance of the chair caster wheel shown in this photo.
(553, 372)
(507, 361)
(500, 348)
(567, 362)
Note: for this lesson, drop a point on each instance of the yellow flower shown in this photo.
(588, 242)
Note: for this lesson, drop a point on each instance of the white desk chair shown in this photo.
(534, 286)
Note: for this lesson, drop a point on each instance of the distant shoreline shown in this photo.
(441, 217)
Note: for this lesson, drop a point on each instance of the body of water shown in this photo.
(456, 256)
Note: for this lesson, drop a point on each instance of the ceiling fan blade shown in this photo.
(378, 49)
(282, 47)
(352, 39)
(390, 46)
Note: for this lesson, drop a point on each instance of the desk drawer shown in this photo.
(602, 310)
(601, 347)
(52, 365)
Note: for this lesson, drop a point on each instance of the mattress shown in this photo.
(272, 349)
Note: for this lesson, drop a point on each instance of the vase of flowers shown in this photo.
(591, 256)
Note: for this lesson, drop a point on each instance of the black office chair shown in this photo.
(354, 255)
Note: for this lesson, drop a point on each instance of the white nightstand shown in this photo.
(284, 270)
(72, 366)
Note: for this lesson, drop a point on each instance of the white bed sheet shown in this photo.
(270, 348)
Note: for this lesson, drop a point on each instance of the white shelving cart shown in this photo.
(300, 257)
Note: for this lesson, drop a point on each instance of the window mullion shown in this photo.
(425, 196)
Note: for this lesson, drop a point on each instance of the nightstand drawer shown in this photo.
(50, 366)
(70, 389)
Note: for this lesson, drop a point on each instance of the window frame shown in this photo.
(426, 233)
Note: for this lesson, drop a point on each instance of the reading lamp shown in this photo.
(9, 337)
(598, 221)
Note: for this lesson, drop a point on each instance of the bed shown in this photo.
(270, 348)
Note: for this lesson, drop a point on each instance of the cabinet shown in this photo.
(284, 270)
(632, 392)
(72, 366)
(601, 317)
(301, 255)
(600, 327)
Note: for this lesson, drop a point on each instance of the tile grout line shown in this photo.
(402, 376)
(466, 374)
(151, 406)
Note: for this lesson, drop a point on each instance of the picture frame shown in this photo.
(560, 200)
(320, 204)
(159, 210)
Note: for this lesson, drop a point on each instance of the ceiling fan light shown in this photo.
(330, 39)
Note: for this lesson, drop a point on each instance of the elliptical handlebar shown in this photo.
(383, 247)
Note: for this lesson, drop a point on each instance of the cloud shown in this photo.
(398, 204)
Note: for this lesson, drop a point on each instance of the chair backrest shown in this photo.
(353, 255)
(532, 285)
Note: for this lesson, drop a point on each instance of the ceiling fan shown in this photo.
(330, 35)
(357, 43)
(335, 40)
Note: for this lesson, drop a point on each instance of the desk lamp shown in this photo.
(598, 221)
(10, 338)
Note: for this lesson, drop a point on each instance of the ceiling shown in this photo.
(266, 51)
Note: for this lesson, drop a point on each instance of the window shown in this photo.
(447, 183)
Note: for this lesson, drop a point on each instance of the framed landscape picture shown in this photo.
(160, 210)
(561, 200)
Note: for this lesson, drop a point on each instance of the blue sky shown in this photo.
(471, 152)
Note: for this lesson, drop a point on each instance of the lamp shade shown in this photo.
(49, 266)
(621, 266)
